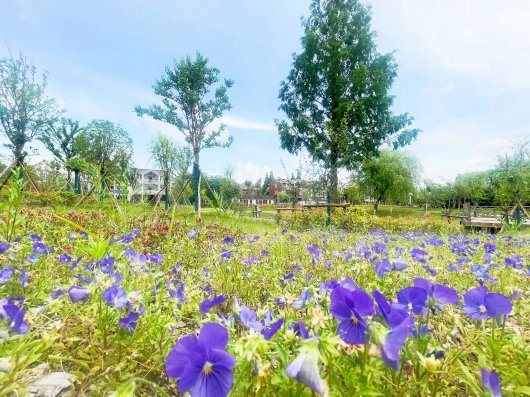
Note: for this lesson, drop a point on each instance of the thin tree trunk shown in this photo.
(197, 184)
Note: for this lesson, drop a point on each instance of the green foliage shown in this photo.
(10, 216)
(389, 177)
(107, 146)
(336, 95)
(220, 186)
(25, 110)
(472, 187)
(184, 89)
(283, 197)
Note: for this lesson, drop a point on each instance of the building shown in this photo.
(253, 196)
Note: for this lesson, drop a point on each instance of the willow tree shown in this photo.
(390, 176)
(336, 96)
(25, 110)
(189, 104)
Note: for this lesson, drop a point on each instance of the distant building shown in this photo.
(253, 196)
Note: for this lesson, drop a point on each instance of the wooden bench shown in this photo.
(280, 209)
(343, 205)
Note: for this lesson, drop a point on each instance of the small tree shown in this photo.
(25, 111)
(184, 89)
(391, 176)
(165, 153)
(59, 138)
(108, 147)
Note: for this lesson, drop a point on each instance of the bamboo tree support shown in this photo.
(158, 197)
(31, 181)
(213, 192)
(175, 200)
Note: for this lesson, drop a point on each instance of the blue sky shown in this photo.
(463, 69)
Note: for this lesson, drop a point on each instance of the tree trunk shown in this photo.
(197, 184)
(333, 182)
(18, 152)
(68, 180)
(166, 194)
(77, 182)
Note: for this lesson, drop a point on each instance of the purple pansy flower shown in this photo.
(207, 304)
(439, 293)
(393, 316)
(115, 296)
(480, 304)
(491, 382)
(4, 247)
(304, 368)
(128, 323)
(23, 278)
(65, 258)
(15, 315)
(275, 327)
(394, 341)
(193, 234)
(300, 329)
(249, 319)
(77, 294)
(412, 298)
(40, 248)
(6, 273)
(350, 308)
(201, 364)
(301, 302)
(57, 293)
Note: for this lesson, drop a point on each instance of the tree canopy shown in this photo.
(25, 110)
(187, 105)
(107, 146)
(336, 96)
(390, 176)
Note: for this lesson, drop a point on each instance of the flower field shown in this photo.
(146, 305)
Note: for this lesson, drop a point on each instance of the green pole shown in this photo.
(328, 219)
(166, 199)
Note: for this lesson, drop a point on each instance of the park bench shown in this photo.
(342, 205)
(280, 209)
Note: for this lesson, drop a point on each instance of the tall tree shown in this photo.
(184, 89)
(59, 138)
(165, 155)
(391, 176)
(24, 108)
(107, 146)
(336, 96)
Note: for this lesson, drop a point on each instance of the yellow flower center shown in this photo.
(208, 368)
(482, 308)
(354, 319)
(409, 306)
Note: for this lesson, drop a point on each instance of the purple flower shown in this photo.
(207, 304)
(491, 382)
(275, 327)
(4, 247)
(6, 273)
(392, 315)
(65, 258)
(57, 293)
(489, 248)
(394, 341)
(15, 316)
(128, 323)
(228, 240)
(304, 368)
(419, 255)
(32, 258)
(349, 308)
(480, 304)
(225, 254)
(179, 292)
(155, 258)
(438, 292)
(202, 365)
(40, 248)
(107, 265)
(193, 234)
(115, 296)
(249, 319)
(413, 299)
(313, 249)
(301, 302)
(300, 329)
(35, 237)
(77, 294)
(23, 278)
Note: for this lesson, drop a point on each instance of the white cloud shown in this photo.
(485, 40)
(460, 146)
(238, 122)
